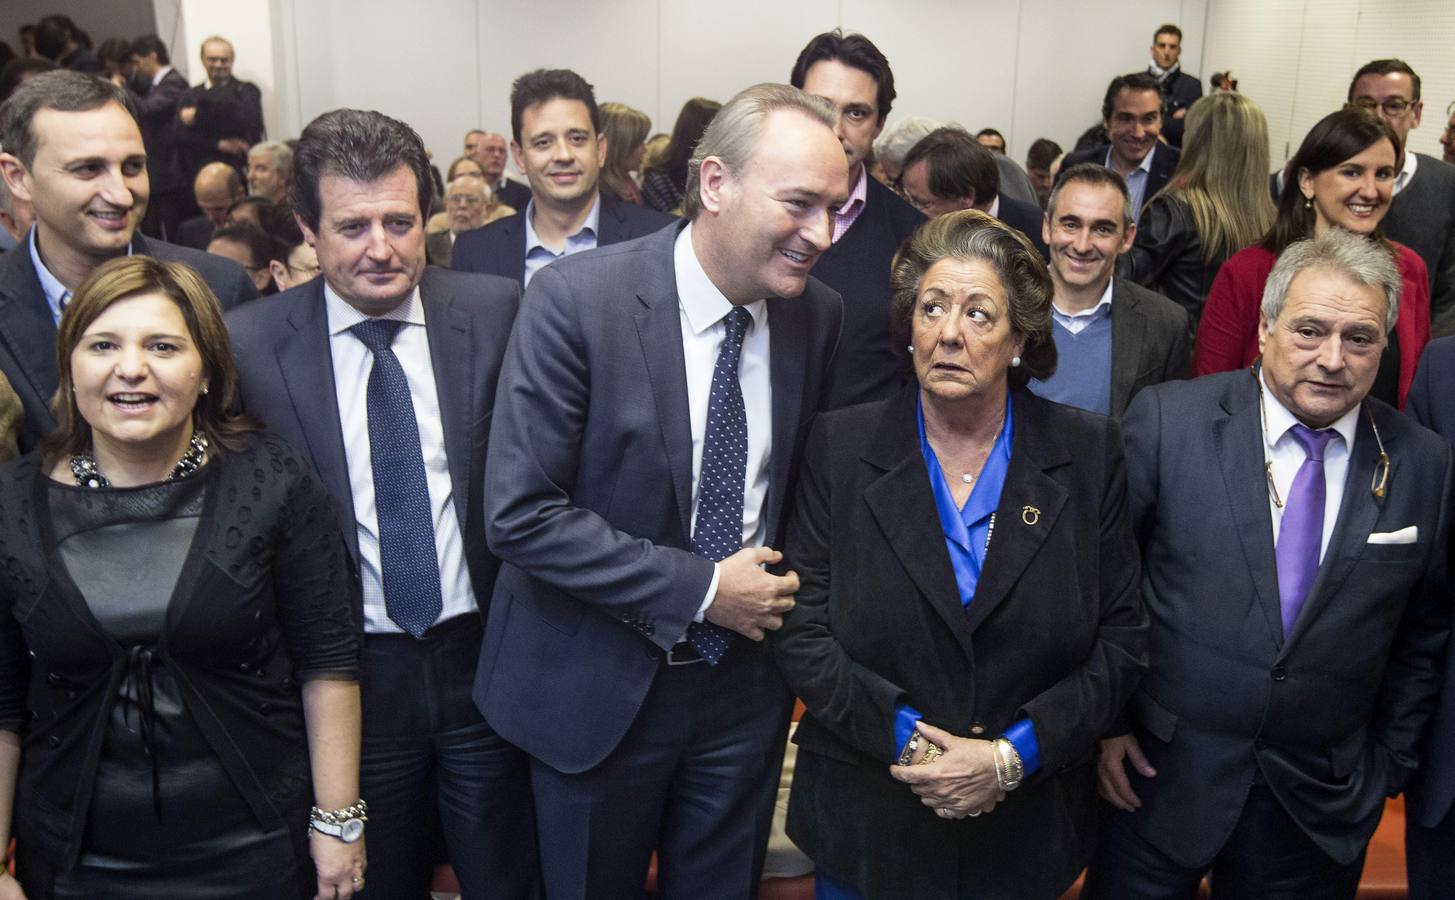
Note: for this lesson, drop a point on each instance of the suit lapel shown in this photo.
(514, 245)
(1358, 512)
(1128, 328)
(1030, 503)
(306, 363)
(29, 331)
(451, 350)
(787, 362)
(904, 507)
(610, 227)
(659, 329)
(1238, 441)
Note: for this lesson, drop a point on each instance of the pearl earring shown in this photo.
(910, 348)
(204, 390)
(1015, 361)
(1308, 203)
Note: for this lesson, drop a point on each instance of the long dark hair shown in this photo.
(692, 121)
(1335, 138)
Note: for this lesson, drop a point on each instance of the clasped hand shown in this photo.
(749, 600)
(961, 782)
(340, 866)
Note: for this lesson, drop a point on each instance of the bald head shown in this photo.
(217, 187)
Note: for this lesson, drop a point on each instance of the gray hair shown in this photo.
(282, 154)
(733, 134)
(895, 143)
(1362, 260)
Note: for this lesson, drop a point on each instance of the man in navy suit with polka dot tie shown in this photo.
(652, 407)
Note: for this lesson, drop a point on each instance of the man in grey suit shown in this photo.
(1113, 337)
(645, 438)
(384, 371)
(1422, 214)
(74, 153)
(1294, 536)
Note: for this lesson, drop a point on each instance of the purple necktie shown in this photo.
(1302, 529)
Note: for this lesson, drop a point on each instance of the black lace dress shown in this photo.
(153, 641)
(123, 550)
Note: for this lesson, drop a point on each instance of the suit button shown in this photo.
(54, 741)
(243, 666)
(977, 728)
(1279, 673)
(265, 708)
(53, 678)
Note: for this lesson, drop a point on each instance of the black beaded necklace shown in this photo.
(83, 465)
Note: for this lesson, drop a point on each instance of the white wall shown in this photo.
(1031, 68)
(1295, 57)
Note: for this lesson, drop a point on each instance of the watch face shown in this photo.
(353, 829)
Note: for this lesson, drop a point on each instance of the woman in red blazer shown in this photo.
(1341, 177)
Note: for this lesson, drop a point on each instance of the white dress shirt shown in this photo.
(703, 308)
(1406, 172)
(1287, 455)
(352, 363)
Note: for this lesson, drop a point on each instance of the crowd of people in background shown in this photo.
(509, 530)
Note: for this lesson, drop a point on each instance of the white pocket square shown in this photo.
(1407, 535)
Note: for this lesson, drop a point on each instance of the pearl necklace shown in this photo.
(83, 465)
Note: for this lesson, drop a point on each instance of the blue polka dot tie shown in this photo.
(719, 531)
(401, 494)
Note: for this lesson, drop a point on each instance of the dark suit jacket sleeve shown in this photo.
(1412, 677)
(854, 702)
(536, 440)
(14, 671)
(1089, 700)
(161, 101)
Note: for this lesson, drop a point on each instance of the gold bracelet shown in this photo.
(1009, 769)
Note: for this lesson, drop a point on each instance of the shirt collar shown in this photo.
(1161, 72)
(858, 196)
(1144, 166)
(342, 316)
(701, 301)
(1406, 172)
(1103, 304)
(1280, 420)
(56, 294)
(592, 224)
(994, 210)
(161, 73)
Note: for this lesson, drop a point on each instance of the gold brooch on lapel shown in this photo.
(1030, 515)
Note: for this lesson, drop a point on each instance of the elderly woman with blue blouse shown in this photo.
(969, 623)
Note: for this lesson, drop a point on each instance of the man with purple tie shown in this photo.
(1294, 535)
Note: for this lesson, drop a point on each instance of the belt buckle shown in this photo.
(672, 660)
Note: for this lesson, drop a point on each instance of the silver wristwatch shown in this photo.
(346, 824)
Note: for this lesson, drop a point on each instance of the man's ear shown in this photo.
(713, 183)
(16, 176)
(308, 234)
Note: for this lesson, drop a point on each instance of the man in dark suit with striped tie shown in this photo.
(645, 437)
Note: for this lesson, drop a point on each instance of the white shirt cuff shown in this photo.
(711, 593)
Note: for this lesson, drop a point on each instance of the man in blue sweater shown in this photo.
(1113, 337)
(851, 73)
